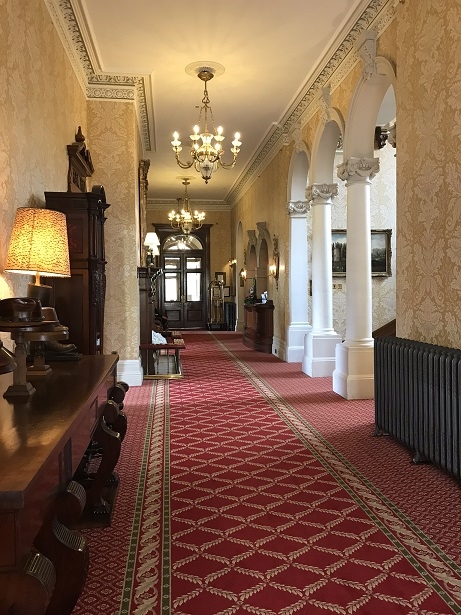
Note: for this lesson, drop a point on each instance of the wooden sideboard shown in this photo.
(259, 326)
(43, 564)
(80, 299)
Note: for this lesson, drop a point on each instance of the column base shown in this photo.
(353, 377)
(295, 341)
(319, 353)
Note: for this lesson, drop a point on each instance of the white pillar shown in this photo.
(353, 377)
(298, 326)
(321, 341)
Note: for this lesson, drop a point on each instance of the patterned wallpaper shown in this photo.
(41, 106)
(114, 150)
(429, 172)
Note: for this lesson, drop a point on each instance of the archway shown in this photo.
(353, 377)
(321, 341)
(298, 265)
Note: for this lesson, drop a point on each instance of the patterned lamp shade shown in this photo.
(38, 244)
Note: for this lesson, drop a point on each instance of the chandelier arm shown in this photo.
(184, 165)
(227, 165)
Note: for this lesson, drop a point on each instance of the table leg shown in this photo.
(97, 507)
(66, 549)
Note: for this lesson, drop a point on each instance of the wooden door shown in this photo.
(182, 287)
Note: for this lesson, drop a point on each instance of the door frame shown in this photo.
(203, 233)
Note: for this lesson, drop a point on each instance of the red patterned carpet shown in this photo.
(247, 487)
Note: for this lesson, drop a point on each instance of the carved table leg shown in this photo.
(115, 418)
(67, 549)
(110, 443)
(27, 592)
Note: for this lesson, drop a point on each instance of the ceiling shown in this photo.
(270, 51)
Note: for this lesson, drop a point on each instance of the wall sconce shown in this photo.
(274, 267)
(242, 276)
(151, 243)
(39, 246)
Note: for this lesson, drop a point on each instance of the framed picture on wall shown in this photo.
(227, 291)
(380, 252)
(220, 276)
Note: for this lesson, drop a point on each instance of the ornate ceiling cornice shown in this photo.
(338, 62)
(378, 15)
(94, 84)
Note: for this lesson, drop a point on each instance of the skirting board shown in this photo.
(130, 372)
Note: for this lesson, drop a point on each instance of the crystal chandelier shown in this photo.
(186, 220)
(206, 147)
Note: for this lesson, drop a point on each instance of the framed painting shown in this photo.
(227, 291)
(220, 276)
(380, 252)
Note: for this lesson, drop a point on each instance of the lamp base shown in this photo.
(42, 292)
(19, 390)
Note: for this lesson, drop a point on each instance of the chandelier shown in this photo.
(186, 220)
(206, 147)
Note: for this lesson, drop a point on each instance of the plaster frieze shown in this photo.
(321, 191)
(97, 85)
(358, 169)
(324, 103)
(295, 208)
(366, 49)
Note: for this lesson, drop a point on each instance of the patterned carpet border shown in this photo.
(142, 575)
(145, 588)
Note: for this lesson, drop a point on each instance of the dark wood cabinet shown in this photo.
(79, 300)
(259, 326)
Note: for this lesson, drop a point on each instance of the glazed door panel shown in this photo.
(184, 297)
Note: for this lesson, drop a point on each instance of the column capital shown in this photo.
(323, 192)
(298, 207)
(358, 169)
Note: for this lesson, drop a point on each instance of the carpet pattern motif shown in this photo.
(241, 506)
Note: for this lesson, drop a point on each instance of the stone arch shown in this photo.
(297, 266)
(364, 109)
(353, 377)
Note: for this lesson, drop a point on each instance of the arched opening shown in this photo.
(298, 325)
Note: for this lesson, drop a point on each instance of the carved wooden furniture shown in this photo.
(43, 564)
(79, 300)
(259, 326)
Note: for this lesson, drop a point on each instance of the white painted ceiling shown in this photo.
(269, 49)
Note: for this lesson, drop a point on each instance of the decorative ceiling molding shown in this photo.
(97, 85)
(336, 65)
(377, 15)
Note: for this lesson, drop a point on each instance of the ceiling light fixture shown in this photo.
(186, 220)
(206, 147)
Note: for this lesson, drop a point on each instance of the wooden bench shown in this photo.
(163, 360)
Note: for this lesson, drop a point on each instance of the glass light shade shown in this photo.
(38, 243)
(151, 239)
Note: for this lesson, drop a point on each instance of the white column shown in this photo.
(353, 377)
(298, 326)
(321, 341)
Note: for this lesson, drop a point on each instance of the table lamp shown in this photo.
(38, 246)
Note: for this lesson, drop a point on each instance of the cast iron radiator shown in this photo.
(417, 399)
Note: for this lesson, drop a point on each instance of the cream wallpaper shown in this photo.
(114, 149)
(41, 106)
(429, 172)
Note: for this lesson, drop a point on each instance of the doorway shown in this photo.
(182, 292)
